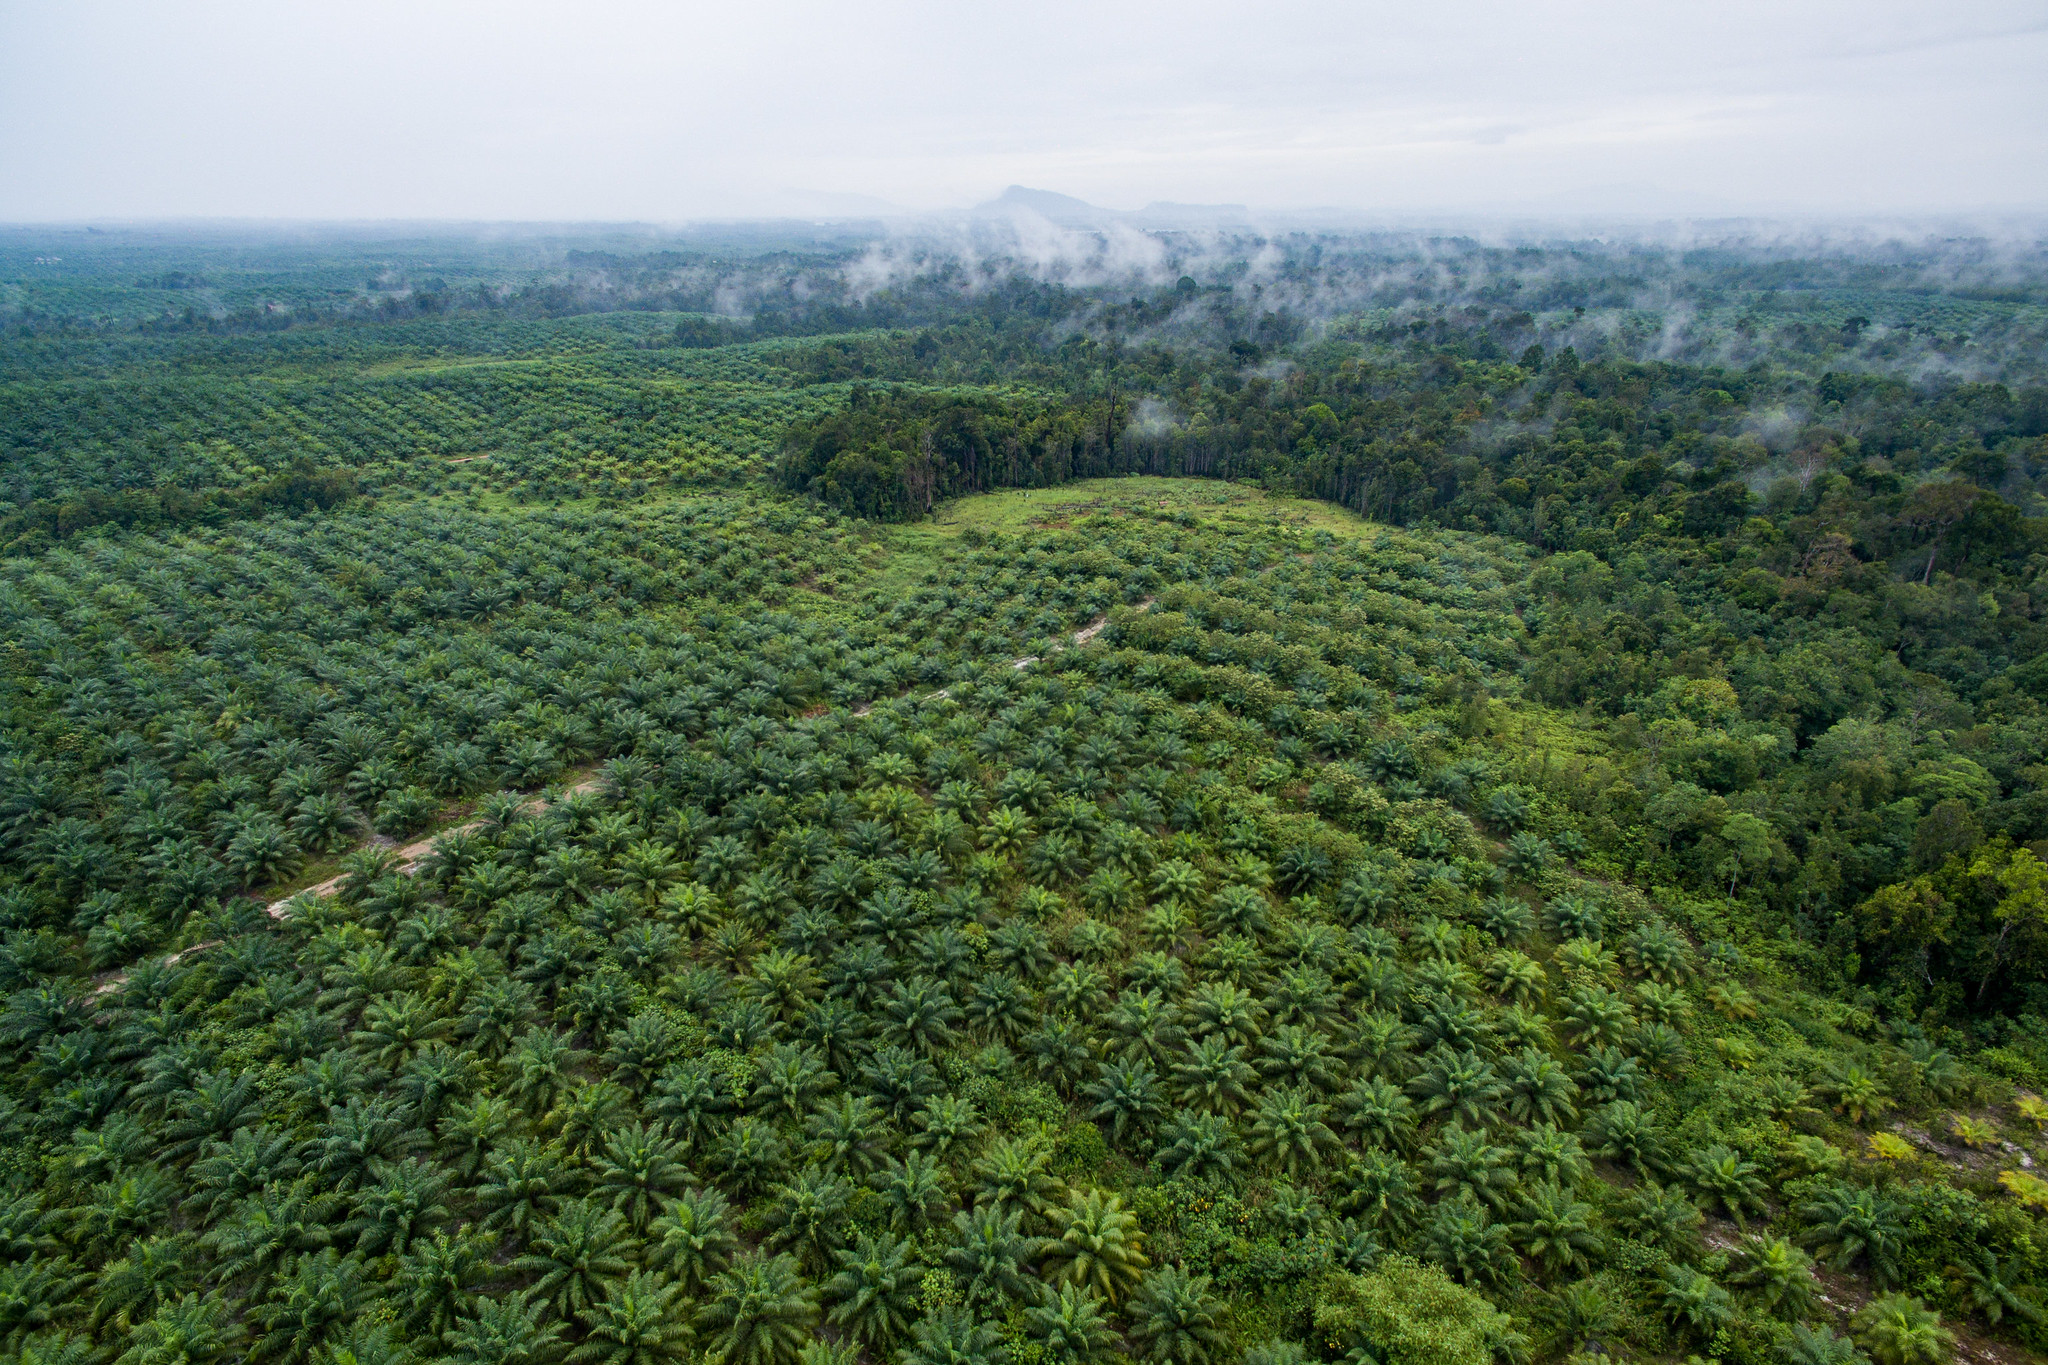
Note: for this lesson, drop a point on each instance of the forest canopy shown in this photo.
(798, 799)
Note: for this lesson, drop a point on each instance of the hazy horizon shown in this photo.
(636, 113)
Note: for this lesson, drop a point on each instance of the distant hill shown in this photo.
(1164, 213)
(1068, 211)
(1059, 208)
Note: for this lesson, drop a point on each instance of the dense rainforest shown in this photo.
(799, 796)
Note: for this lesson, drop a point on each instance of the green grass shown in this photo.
(1209, 500)
(898, 557)
(909, 550)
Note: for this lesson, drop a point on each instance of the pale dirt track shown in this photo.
(413, 854)
(1081, 637)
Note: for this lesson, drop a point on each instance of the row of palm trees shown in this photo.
(835, 1032)
(639, 1174)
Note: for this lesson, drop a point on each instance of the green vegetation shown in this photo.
(989, 823)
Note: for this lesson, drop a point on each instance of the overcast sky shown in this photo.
(612, 110)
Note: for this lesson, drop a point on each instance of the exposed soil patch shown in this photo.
(1844, 1295)
(1978, 1160)
(1719, 1234)
(409, 859)
(1974, 1348)
(1081, 637)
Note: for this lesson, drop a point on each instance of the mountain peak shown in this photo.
(1059, 208)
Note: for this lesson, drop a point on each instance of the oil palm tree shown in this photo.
(405, 1200)
(838, 1031)
(758, 1311)
(1070, 1326)
(506, 1330)
(1778, 1273)
(1555, 1229)
(690, 1099)
(317, 1295)
(1720, 1175)
(1293, 1054)
(638, 1170)
(437, 1279)
(874, 1295)
(1515, 977)
(540, 1067)
(1855, 1091)
(920, 1014)
(992, 1256)
(1820, 1346)
(1546, 1152)
(1845, 1224)
(1463, 1162)
(1626, 1132)
(1538, 1089)
(807, 1215)
(1096, 1244)
(1128, 1095)
(1020, 948)
(1378, 1112)
(693, 1239)
(155, 1271)
(945, 1123)
(472, 1130)
(1000, 1006)
(952, 1336)
(217, 1105)
(250, 1159)
(191, 1330)
(1985, 1279)
(1460, 1083)
(1198, 1146)
(522, 1185)
(1689, 1298)
(1220, 1010)
(1076, 988)
(1662, 1217)
(1463, 1238)
(637, 1322)
(638, 1052)
(789, 1079)
(1289, 1130)
(576, 1256)
(844, 1134)
(1059, 1053)
(914, 1190)
(751, 1155)
(270, 1228)
(1898, 1329)
(396, 1026)
(1174, 1318)
(1213, 1077)
(1013, 1175)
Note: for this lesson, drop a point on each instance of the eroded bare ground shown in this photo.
(1973, 1348)
(1844, 1296)
(1090, 631)
(1081, 637)
(413, 854)
(1980, 1157)
(409, 859)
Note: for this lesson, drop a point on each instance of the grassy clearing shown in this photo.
(1210, 500)
(896, 559)
(907, 551)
